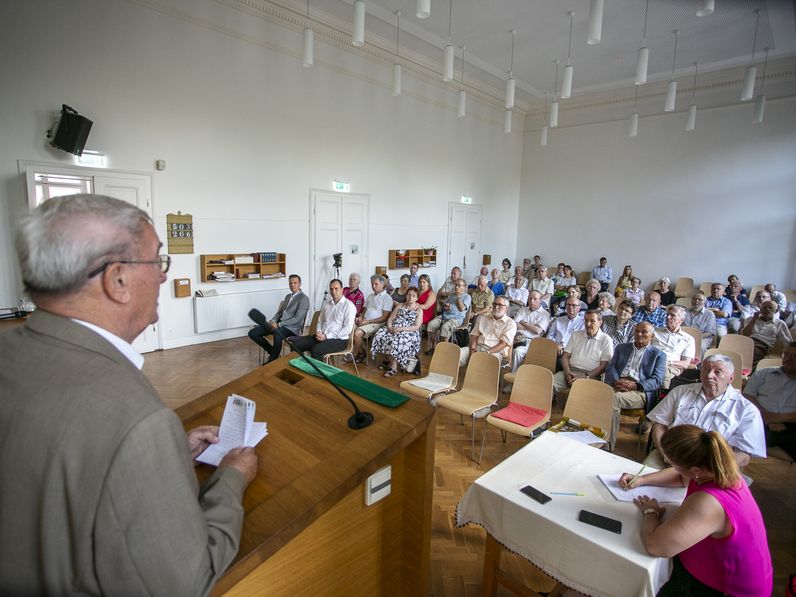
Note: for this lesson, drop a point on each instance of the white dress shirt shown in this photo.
(337, 319)
(586, 353)
(540, 317)
(676, 346)
(375, 304)
(122, 346)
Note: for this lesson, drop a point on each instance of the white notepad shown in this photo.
(673, 495)
(237, 429)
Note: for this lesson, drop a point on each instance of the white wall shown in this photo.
(245, 132)
(717, 200)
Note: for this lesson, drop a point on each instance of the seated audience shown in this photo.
(721, 307)
(537, 263)
(497, 287)
(606, 303)
(414, 279)
(624, 282)
(532, 322)
(714, 405)
(288, 320)
(353, 293)
(505, 273)
(717, 536)
(651, 311)
(449, 286)
(777, 296)
(764, 329)
(388, 288)
(517, 293)
(484, 272)
(561, 328)
(634, 292)
(399, 339)
(335, 325)
(518, 273)
(635, 373)
(702, 319)
(399, 294)
(562, 283)
(494, 333)
(571, 292)
(603, 274)
(761, 297)
(483, 297)
(773, 392)
(452, 316)
(620, 326)
(559, 273)
(543, 285)
(586, 355)
(378, 307)
(527, 272)
(427, 298)
(677, 345)
(733, 278)
(739, 302)
(667, 294)
(591, 296)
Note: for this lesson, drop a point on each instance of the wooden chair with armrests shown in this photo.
(737, 361)
(744, 346)
(445, 361)
(684, 288)
(591, 402)
(348, 350)
(479, 391)
(533, 387)
(542, 352)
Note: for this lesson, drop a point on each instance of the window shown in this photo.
(48, 186)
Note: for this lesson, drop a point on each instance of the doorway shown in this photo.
(464, 239)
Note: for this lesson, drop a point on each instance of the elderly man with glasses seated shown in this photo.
(494, 334)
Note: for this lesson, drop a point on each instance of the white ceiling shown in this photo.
(717, 42)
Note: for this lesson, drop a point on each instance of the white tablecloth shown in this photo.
(592, 560)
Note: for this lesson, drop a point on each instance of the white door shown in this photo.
(464, 239)
(130, 187)
(339, 223)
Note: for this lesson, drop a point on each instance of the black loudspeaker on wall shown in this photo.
(71, 131)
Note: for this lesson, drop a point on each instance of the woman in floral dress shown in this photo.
(400, 338)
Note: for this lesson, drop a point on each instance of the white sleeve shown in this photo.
(664, 412)
(750, 435)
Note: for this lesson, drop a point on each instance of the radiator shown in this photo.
(227, 311)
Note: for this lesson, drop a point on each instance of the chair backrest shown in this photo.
(684, 287)
(466, 321)
(696, 333)
(314, 323)
(542, 352)
(754, 290)
(582, 278)
(591, 402)
(743, 345)
(445, 361)
(684, 301)
(769, 362)
(704, 288)
(483, 374)
(533, 386)
(737, 362)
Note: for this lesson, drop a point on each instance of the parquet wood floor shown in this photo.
(182, 374)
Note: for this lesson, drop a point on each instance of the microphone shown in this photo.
(360, 419)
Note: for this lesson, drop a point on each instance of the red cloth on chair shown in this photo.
(527, 416)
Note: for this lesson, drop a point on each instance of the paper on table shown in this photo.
(673, 495)
(584, 437)
(433, 382)
(237, 429)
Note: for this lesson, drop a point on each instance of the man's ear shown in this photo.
(116, 283)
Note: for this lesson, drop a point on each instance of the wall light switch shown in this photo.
(378, 485)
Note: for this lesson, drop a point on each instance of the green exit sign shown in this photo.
(342, 187)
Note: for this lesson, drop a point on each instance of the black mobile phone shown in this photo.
(603, 522)
(535, 494)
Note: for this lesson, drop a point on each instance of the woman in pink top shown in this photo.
(717, 534)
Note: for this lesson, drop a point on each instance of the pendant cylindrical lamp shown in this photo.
(671, 96)
(543, 137)
(358, 34)
(706, 8)
(309, 45)
(641, 65)
(507, 121)
(510, 85)
(594, 29)
(447, 63)
(633, 125)
(690, 124)
(566, 82)
(760, 108)
(748, 90)
(461, 109)
(553, 115)
(423, 9)
(396, 79)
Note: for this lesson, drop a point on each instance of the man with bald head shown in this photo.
(651, 311)
(586, 354)
(765, 330)
(713, 405)
(100, 496)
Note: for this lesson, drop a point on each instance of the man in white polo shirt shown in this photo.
(677, 345)
(587, 353)
(532, 322)
(377, 309)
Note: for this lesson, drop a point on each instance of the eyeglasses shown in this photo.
(499, 306)
(164, 261)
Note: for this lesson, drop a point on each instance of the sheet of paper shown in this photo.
(584, 437)
(433, 382)
(237, 429)
(672, 495)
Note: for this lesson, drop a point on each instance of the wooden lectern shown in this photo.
(307, 529)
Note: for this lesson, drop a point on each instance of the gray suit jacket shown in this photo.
(292, 316)
(99, 494)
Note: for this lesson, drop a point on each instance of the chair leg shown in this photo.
(356, 368)
(472, 443)
(503, 433)
(483, 439)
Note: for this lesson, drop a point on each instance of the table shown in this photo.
(591, 560)
(307, 530)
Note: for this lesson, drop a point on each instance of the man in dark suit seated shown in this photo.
(288, 321)
(635, 373)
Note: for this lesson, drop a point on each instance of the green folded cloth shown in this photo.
(363, 387)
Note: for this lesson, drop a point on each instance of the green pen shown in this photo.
(632, 480)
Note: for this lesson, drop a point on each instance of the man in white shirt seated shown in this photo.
(494, 333)
(532, 322)
(603, 274)
(484, 272)
(702, 319)
(561, 328)
(765, 329)
(449, 287)
(377, 309)
(677, 345)
(517, 293)
(543, 285)
(454, 310)
(587, 353)
(335, 325)
(777, 296)
(713, 405)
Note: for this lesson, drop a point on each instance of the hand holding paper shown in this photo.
(237, 429)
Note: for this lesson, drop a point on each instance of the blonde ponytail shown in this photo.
(689, 445)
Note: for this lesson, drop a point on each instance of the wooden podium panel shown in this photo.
(307, 529)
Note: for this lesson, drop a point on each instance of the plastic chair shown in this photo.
(696, 334)
(533, 386)
(744, 346)
(704, 288)
(769, 362)
(590, 402)
(542, 352)
(348, 350)
(582, 278)
(445, 361)
(737, 361)
(684, 288)
(683, 302)
(479, 392)
(641, 413)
